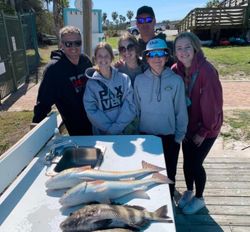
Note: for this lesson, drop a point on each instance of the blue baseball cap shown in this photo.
(156, 44)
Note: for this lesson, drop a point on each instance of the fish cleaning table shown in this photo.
(27, 206)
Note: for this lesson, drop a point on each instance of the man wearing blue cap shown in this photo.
(161, 104)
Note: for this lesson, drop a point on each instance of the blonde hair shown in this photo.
(195, 41)
(107, 47)
(68, 30)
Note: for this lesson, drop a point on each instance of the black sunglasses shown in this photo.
(69, 44)
(129, 48)
(144, 20)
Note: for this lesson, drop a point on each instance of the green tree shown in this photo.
(7, 9)
(58, 6)
(120, 18)
(123, 19)
(213, 3)
(45, 22)
(114, 16)
(130, 15)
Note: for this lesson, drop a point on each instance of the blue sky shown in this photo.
(164, 9)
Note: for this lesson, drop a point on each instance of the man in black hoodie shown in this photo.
(64, 83)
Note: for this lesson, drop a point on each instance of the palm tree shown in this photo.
(104, 18)
(123, 19)
(120, 18)
(114, 16)
(130, 15)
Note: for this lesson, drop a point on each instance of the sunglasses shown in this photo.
(69, 44)
(129, 48)
(144, 20)
(157, 53)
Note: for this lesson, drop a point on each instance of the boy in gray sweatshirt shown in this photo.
(161, 105)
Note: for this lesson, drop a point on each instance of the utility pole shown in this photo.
(87, 26)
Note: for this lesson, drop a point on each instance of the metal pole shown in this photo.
(87, 27)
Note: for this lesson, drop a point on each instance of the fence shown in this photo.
(19, 55)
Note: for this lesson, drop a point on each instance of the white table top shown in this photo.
(26, 206)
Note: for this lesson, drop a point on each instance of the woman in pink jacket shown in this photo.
(204, 102)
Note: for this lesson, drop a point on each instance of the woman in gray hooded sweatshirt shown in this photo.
(161, 105)
(108, 97)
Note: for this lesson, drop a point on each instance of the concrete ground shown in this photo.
(235, 94)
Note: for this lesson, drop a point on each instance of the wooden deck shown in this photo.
(227, 194)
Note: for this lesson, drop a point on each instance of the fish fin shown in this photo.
(96, 182)
(162, 211)
(136, 194)
(139, 226)
(83, 168)
(162, 178)
(140, 194)
(135, 207)
(146, 165)
(102, 223)
(104, 200)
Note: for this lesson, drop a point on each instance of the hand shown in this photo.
(198, 140)
(32, 125)
(185, 140)
(118, 63)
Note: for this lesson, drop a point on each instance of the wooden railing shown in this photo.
(232, 3)
(207, 17)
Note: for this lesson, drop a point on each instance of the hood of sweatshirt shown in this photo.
(157, 80)
(167, 73)
(57, 55)
(92, 73)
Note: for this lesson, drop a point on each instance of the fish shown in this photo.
(107, 191)
(104, 216)
(73, 176)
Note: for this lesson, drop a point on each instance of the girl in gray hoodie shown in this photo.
(108, 97)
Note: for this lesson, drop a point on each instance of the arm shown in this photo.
(137, 99)
(97, 117)
(181, 115)
(210, 102)
(45, 97)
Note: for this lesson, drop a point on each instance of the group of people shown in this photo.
(146, 92)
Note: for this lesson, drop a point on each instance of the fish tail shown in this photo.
(146, 165)
(161, 178)
(161, 214)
